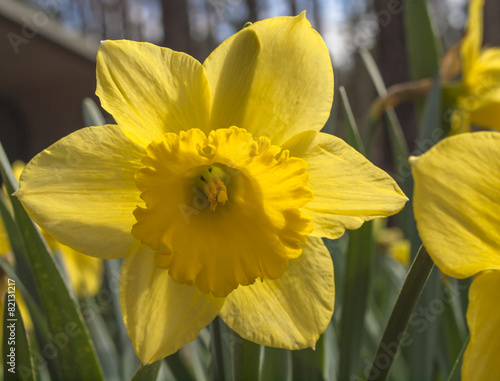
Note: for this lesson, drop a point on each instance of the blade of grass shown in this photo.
(453, 374)
(398, 143)
(353, 136)
(394, 333)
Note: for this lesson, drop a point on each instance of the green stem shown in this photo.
(395, 331)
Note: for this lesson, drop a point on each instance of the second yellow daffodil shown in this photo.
(457, 208)
(479, 102)
(216, 186)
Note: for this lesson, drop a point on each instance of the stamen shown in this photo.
(214, 187)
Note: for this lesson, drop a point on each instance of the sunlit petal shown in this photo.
(347, 188)
(273, 78)
(82, 190)
(160, 314)
(151, 90)
(290, 312)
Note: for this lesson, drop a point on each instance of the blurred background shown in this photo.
(48, 48)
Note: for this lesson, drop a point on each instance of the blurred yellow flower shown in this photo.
(480, 101)
(457, 208)
(215, 176)
(392, 240)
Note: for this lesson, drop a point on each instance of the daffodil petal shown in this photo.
(151, 90)
(347, 188)
(289, 312)
(457, 202)
(160, 314)
(483, 317)
(82, 190)
(274, 78)
(471, 44)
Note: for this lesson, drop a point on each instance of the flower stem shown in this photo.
(395, 331)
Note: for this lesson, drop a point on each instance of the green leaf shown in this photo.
(17, 357)
(423, 47)
(71, 344)
(395, 331)
(147, 372)
(356, 288)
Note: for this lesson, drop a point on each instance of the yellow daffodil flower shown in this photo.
(216, 186)
(479, 102)
(457, 208)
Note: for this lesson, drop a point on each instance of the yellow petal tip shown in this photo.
(413, 160)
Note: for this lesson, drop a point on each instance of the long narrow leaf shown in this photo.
(398, 143)
(394, 333)
(423, 46)
(353, 136)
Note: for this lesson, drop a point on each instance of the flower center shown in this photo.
(223, 210)
(211, 182)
